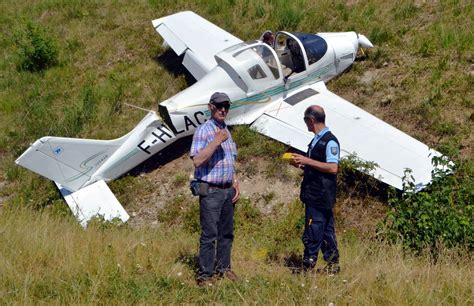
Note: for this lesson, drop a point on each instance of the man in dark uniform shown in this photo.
(318, 192)
(214, 153)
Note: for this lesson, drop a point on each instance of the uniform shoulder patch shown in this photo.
(334, 150)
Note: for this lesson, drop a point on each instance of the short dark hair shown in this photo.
(317, 114)
(267, 35)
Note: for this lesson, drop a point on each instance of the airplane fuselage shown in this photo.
(254, 82)
(258, 78)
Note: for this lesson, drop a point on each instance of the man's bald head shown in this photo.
(316, 113)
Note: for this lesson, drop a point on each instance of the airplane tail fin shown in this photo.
(75, 163)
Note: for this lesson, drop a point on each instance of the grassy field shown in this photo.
(53, 259)
(419, 78)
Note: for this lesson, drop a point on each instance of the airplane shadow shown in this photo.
(173, 63)
(168, 154)
(352, 183)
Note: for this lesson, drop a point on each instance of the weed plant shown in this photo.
(440, 215)
(36, 49)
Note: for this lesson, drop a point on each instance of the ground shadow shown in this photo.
(168, 154)
(353, 183)
(190, 260)
(173, 63)
(294, 262)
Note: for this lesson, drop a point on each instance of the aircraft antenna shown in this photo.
(138, 107)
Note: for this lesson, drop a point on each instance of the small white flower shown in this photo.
(247, 281)
(344, 281)
(180, 273)
(302, 285)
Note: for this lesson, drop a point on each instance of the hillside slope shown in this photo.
(419, 78)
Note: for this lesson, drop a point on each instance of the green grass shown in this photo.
(108, 55)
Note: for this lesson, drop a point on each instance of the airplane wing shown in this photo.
(360, 133)
(198, 39)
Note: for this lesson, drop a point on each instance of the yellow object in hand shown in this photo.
(287, 156)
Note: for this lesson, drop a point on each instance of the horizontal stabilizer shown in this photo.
(95, 200)
(69, 161)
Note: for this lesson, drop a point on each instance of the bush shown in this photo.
(36, 50)
(440, 214)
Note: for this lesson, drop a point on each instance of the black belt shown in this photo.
(221, 186)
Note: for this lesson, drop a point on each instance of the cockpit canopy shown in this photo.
(314, 45)
(254, 65)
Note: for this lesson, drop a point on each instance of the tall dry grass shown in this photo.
(44, 258)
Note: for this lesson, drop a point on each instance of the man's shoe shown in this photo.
(206, 282)
(330, 269)
(308, 264)
(230, 275)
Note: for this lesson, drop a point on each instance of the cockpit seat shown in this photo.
(286, 70)
(296, 55)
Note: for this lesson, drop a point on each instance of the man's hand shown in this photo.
(205, 154)
(221, 136)
(299, 160)
(237, 191)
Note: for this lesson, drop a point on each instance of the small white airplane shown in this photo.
(270, 87)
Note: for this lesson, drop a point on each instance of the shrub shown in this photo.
(356, 178)
(36, 50)
(440, 214)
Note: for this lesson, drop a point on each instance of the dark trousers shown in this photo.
(217, 231)
(319, 234)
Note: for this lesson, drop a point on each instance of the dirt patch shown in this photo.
(170, 181)
(368, 77)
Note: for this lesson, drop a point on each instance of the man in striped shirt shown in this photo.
(214, 153)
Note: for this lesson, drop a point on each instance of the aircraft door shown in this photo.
(291, 53)
(345, 55)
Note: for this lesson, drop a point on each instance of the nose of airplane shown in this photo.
(364, 42)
